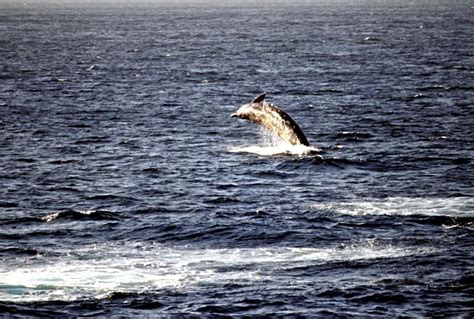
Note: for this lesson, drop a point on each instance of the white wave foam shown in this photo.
(455, 207)
(97, 271)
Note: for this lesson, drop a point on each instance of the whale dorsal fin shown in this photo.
(259, 98)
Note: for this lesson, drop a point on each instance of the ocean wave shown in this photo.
(71, 214)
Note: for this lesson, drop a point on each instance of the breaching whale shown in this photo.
(273, 119)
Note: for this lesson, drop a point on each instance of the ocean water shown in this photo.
(127, 189)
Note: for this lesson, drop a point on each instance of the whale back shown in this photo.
(273, 119)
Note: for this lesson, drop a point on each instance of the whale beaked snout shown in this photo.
(242, 112)
(239, 113)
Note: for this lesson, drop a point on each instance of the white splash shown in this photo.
(293, 150)
(272, 145)
(97, 271)
(454, 207)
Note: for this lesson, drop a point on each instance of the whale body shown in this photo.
(273, 119)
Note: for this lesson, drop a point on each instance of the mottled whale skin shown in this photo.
(273, 119)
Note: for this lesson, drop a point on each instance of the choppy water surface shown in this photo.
(127, 189)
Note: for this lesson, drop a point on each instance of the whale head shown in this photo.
(245, 111)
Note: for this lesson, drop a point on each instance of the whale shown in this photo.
(272, 119)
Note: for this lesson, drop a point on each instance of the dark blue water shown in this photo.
(127, 189)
